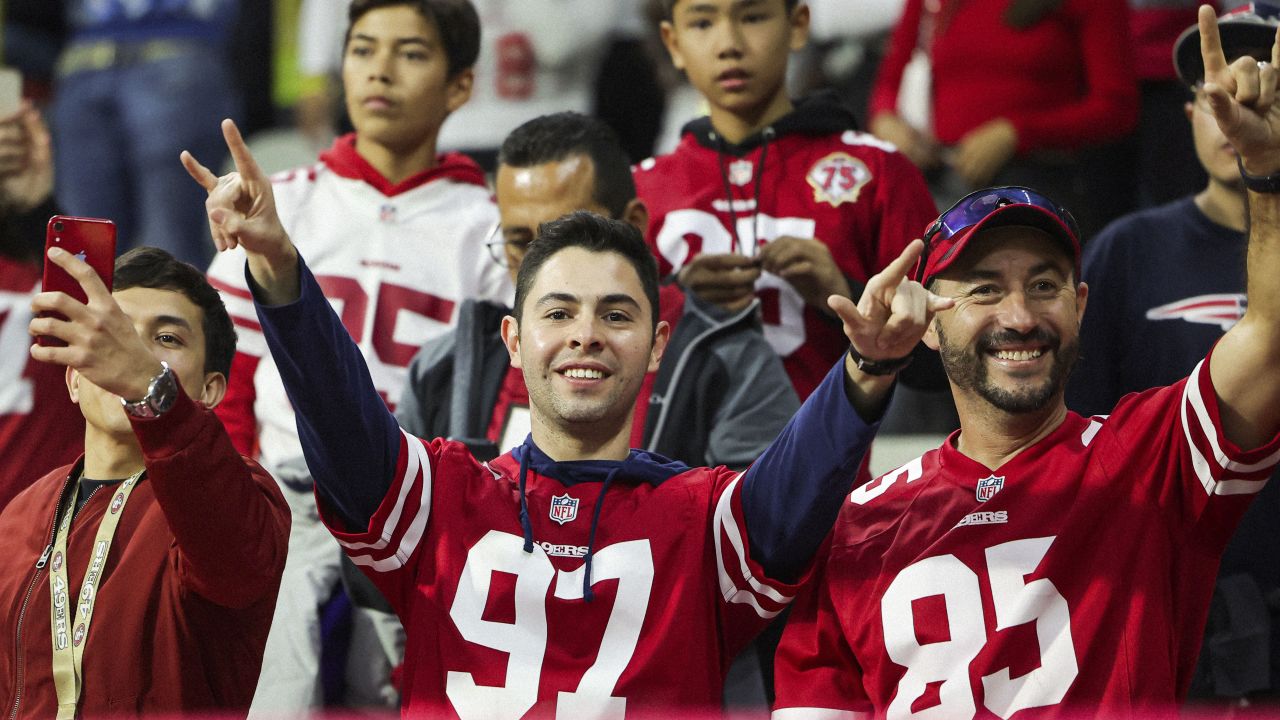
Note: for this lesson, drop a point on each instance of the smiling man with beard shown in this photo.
(1041, 562)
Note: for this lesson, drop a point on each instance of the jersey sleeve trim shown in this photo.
(751, 591)
(1221, 468)
(390, 527)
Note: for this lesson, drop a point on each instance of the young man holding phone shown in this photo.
(161, 527)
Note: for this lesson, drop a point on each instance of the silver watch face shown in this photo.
(160, 396)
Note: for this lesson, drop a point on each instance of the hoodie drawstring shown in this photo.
(587, 593)
(766, 136)
(525, 525)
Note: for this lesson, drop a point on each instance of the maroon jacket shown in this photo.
(189, 587)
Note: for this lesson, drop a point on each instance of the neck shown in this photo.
(595, 441)
(1223, 204)
(993, 437)
(398, 163)
(109, 457)
(736, 126)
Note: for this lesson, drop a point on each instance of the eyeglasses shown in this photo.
(976, 206)
(500, 247)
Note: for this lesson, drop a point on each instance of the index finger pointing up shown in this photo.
(1215, 61)
(245, 164)
(906, 261)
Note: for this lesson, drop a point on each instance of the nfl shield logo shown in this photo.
(740, 172)
(989, 486)
(387, 213)
(564, 508)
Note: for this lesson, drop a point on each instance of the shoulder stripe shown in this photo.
(725, 522)
(1210, 473)
(417, 467)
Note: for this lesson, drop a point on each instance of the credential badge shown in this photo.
(564, 508)
(989, 486)
(741, 172)
(838, 178)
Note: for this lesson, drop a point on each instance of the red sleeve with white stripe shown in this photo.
(387, 548)
(749, 598)
(815, 675)
(1214, 479)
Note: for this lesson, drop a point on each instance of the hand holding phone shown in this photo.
(93, 241)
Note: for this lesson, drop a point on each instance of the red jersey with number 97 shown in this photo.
(857, 194)
(394, 260)
(1075, 577)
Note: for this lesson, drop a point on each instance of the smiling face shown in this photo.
(584, 341)
(395, 74)
(735, 51)
(172, 327)
(1013, 335)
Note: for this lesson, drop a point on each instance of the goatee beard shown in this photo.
(967, 368)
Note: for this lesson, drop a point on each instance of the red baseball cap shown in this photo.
(1005, 206)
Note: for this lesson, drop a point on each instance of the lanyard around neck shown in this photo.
(68, 644)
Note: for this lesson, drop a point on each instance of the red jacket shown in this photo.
(188, 590)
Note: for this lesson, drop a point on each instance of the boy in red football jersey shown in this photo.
(767, 198)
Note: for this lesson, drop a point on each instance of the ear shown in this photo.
(636, 213)
(73, 385)
(661, 335)
(799, 26)
(460, 89)
(215, 388)
(670, 39)
(1082, 299)
(931, 335)
(511, 338)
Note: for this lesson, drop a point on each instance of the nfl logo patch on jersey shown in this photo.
(989, 486)
(741, 172)
(564, 508)
(387, 213)
(838, 178)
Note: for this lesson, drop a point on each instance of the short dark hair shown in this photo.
(593, 233)
(556, 137)
(455, 20)
(150, 267)
(669, 6)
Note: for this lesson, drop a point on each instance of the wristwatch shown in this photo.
(161, 394)
(878, 367)
(1259, 183)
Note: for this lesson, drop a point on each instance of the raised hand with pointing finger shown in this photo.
(242, 213)
(1242, 98)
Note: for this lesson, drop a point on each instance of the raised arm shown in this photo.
(792, 494)
(350, 439)
(1245, 361)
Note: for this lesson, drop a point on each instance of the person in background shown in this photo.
(380, 201)
(1164, 285)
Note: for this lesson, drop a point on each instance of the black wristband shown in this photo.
(1259, 183)
(879, 367)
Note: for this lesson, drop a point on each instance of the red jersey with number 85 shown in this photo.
(1077, 576)
(815, 179)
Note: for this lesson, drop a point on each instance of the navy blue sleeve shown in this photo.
(793, 493)
(350, 439)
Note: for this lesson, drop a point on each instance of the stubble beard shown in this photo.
(967, 368)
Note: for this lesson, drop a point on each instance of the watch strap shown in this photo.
(879, 367)
(1259, 183)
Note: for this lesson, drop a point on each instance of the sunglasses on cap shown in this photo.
(949, 234)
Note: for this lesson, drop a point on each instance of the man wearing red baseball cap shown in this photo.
(1040, 562)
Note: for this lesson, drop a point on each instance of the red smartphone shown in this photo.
(93, 240)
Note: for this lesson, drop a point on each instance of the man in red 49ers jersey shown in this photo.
(571, 576)
(1039, 563)
(765, 197)
(369, 214)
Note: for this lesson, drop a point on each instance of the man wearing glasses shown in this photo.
(719, 398)
(1041, 561)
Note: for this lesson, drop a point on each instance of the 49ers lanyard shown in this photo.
(68, 645)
